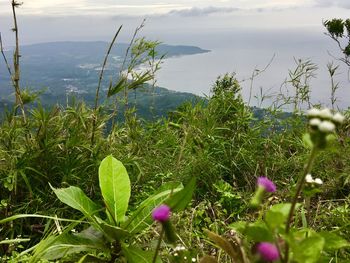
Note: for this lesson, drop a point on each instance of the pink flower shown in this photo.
(268, 251)
(161, 213)
(267, 184)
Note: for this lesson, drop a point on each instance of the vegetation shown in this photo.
(210, 182)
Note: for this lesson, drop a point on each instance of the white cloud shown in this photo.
(142, 7)
(196, 11)
(338, 3)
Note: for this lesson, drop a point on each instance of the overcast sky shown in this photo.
(52, 20)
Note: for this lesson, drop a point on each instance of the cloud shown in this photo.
(339, 3)
(196, 11)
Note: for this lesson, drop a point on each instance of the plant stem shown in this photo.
(94, 119)
(300, 184)
(158, 245)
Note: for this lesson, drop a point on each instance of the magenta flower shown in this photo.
(161, 213)
(268, 251)
(267, 184)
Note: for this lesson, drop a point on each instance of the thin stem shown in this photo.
(94, 120)
(104, 65)
(158, 245)
(300, 184)
(16, 56)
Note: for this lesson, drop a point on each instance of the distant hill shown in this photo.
(71, 69)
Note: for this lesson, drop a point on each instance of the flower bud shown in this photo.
(326, 114)
(268, 185)
(338, 118)
(312, 113)
(161, 213)
(314, 122)
(268, 251)
(326, 126)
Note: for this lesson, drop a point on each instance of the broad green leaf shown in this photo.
(278, 214)
(333, 241)
(112, 232)
(115, 187)
(308, 250)
(141, 218)
(137, 255)
(180, 200)
(76, 198)
(258, 232)
(67, 244)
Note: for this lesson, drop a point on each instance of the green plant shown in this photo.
(272, 237)
(114, 236)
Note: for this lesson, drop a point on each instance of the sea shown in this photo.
(271, 56)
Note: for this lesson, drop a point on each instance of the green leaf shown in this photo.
(121, 84)
(67, 244)
(141, 218)
(113, 232)
(137, 255)
(333, 241)
(115, 187)
(307, 141)
(258, 232)
(308, 250)
(180, 200)
(277, 215)
(76, 198)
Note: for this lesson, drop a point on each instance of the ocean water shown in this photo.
(243, 52)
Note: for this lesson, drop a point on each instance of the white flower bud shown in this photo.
(313, 113)
(309, 179)
(326, 126)
(338, 118)
(318, 181)
(326, 114)
(315, 122)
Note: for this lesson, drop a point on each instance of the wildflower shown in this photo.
(313, 113)
(326, 114)
(318, 181)
(326, 126)
(268, 251)
(267, 184)
(309, 179)
(264, 185)
(161, 213)
(314, 122)
(338, 118)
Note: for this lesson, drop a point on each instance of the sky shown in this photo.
(55, 20)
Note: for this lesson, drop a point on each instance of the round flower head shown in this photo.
(268, 251)
(309, 179)
(326, 127)
(267, 184)
(318, 181)
(161, 213)
(312, 113)
(338, 118)
(326, 114)
(315, 122)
